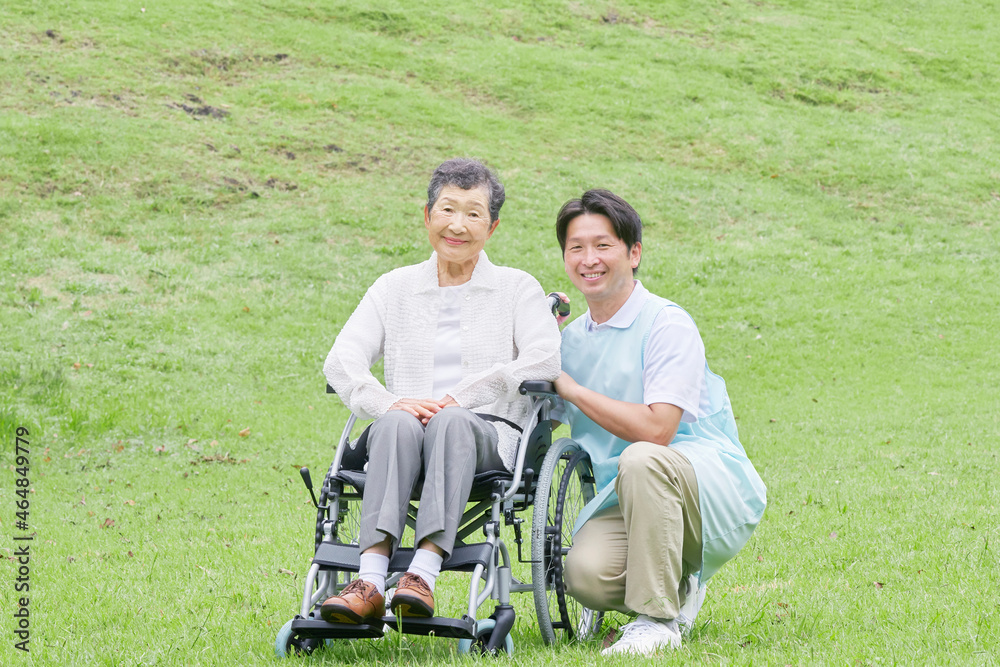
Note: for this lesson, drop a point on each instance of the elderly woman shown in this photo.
(459, 335)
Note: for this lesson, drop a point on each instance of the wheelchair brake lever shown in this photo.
(307, 480)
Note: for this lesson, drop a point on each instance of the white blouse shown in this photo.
(448, 342)
(508, 335)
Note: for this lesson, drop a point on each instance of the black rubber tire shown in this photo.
(484, 633)
(287, 643)
(321, 515)
(348, 527)
(565, 485)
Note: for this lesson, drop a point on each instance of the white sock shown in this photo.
(427, 564)
(374, 568)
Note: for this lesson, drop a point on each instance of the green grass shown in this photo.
(821, 189)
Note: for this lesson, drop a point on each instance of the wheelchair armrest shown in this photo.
(527, 387)
(537, 388)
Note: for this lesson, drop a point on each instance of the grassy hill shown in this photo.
(195, 195)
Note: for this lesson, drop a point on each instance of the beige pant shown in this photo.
(632, 557)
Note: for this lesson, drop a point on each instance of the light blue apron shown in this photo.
(731, 493)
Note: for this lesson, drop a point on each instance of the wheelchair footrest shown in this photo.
(314, 626)
(455, 628)
(347, 557)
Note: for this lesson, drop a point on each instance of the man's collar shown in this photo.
(626, 315)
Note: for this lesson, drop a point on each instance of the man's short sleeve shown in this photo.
(674, 363)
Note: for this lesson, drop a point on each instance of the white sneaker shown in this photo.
(694, 598)
(645, 636)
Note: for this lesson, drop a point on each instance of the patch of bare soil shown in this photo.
(198, 109)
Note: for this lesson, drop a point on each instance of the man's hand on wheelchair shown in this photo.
(559, 303)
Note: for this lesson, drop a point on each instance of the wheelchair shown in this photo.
(550, 483)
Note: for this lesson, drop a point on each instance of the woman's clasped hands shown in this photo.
(423, 408)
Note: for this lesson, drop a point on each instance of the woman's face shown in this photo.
(459, 223)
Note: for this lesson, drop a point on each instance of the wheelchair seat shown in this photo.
(482, 484)
(355, 456)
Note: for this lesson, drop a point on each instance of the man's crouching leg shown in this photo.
(595, 566)
(658, 496)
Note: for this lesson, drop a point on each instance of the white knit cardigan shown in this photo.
(508, 336)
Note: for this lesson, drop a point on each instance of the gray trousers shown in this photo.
(447, 453)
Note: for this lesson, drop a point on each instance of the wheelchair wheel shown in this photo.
(287, 643)
(565, 485)
(484, 632)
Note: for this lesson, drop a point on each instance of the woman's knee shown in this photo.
(397, 429)
(453, 426)
(451, 416)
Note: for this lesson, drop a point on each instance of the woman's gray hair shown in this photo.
(467, 173)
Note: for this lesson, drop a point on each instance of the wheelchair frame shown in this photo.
(552, 481)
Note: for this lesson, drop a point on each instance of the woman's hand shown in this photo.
(448, 402)
(421, 408)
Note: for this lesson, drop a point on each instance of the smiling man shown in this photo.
(677, 496)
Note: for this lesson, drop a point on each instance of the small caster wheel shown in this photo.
(287, 643)
(484, 631)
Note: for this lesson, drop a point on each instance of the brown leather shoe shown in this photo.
(413, 597)
(359, 602)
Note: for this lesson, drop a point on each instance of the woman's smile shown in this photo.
(457, 227)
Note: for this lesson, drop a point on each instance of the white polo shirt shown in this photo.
(674, 363)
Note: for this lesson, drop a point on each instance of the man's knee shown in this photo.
(577, 568)
(583, 575)
(635, 459)
(641, 459)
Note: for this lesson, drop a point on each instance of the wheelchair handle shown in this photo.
(558, 307)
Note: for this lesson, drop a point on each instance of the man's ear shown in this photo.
(635, 255)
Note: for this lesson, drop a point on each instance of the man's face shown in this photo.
(459, 223)
(598, 262)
